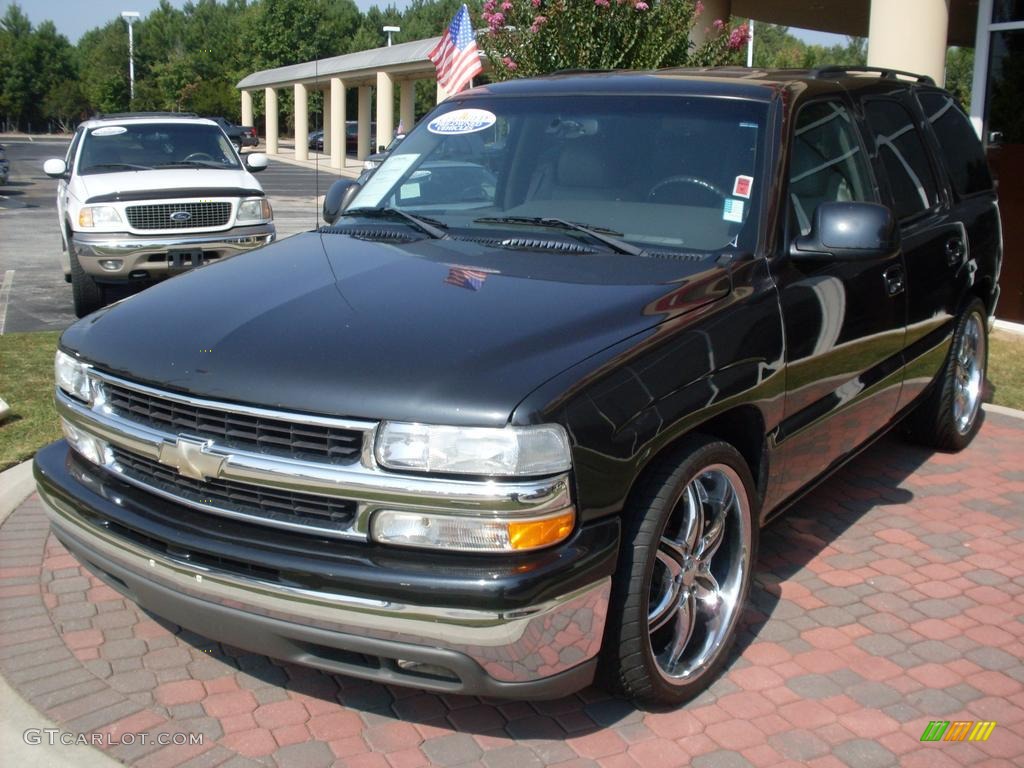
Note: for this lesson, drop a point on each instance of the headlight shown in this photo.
(256, 210)
(510, 451)
(469, 533)
(89, 447)
(72, 376)
(98, 216)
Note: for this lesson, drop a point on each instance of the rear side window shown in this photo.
(904, 156)
(960, 146)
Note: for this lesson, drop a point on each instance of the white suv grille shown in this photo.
(173, 215)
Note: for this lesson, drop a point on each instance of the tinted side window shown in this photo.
(960, 146)
(827, 163)
(905, 158)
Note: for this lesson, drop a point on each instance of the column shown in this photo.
(385, 109)
(327, 120)
(338, 138)
(703, 28)
(271, 101)
(246, 108)
(363, 146)
(924, 50)
(407, 105)
(442, 94)
(301, 122)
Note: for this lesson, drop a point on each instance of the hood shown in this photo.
(163, 182)
(436, 331)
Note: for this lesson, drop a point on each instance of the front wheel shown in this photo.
(948, 418)
(684, 573)
(87, 294)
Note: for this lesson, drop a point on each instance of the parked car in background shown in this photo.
(316, 140)
(240, 135)
(144, 196)
(5, 165)
(513, 421)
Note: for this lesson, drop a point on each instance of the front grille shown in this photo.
(278, 437)
(270, 504)
(158, 215)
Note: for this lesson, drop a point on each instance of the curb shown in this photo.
(1002, 410)
(17, 484)
(324, 167)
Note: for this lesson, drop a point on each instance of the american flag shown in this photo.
(455, 55)
(473, 279)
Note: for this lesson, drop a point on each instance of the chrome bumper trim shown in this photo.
(511, 646)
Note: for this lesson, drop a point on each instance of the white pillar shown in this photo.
(301, 123)
(704, 27)
(327, 120)
(246, 108)
(363, 145)
(337, 112)
(407, 104)
(923, 50)
(442, 94)
(271, 102)
(385, 109)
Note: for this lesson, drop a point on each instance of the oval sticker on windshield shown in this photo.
(109, 130)
(462, 121)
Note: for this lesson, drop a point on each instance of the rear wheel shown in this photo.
(684, 574)
(88, 296)
(948, 418)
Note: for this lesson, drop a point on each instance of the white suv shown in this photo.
(144, 196)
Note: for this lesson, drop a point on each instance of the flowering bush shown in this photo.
(535, 37)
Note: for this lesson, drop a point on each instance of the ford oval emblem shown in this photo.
(181, 216)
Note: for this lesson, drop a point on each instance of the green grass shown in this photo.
(26, 383)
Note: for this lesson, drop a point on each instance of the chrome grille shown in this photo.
(279, 437)
(269, 504)
(158, 215)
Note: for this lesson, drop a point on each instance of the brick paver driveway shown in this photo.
(892, 596)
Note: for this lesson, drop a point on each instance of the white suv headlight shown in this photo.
(256, 210)
(73, 377)
(98, 216)
(505, 452)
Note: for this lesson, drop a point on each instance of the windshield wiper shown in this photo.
(606, 236)
(192, 164)
(130, 166)
(431, 227)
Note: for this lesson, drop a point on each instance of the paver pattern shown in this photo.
(891, 596)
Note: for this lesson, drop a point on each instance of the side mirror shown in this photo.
(55, 168)
(848, 231)
(256, 162)
(338, 197)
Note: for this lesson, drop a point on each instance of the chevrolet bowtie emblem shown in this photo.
(192, 458)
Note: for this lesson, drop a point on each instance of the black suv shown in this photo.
(517, 414)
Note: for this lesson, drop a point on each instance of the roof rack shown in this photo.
(883, 72)
(130, 115)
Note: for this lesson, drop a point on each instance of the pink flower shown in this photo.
(698, 9)
(602, 3)
(496, 20)
(488, 8)
(719, 24)
(509, 64)
(641, 6)
(739, 36)
(506, 6)
(535, 3)
(538, 22)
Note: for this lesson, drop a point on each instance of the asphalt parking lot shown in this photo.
(33, 294)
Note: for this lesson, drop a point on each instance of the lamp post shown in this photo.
(130, 18)
(389, 30)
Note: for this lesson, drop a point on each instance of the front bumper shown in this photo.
(147, 254)
(546, 648)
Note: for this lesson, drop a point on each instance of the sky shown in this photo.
(76, 17)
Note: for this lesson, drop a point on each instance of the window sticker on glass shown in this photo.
(383, 180)
(110, 130)
(461, 121)
(742, 186)
(733, 210)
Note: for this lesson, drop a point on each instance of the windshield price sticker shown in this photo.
(461, 121)
(733, 210)
(109, 130)
(383, 180)
(742, 186)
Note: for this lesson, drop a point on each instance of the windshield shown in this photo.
(144, 146)
(658, 172)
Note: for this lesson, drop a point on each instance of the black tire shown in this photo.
(88, 296)
(940, 420)
(629, 662)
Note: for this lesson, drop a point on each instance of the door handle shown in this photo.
(955, 251)
(894, 282)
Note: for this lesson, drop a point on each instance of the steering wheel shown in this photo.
(694, 180)
(199, 156)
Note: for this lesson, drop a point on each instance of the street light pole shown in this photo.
(389, 30)
(130, 18)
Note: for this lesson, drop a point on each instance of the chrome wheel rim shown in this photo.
(699, 570)
(968, 373)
